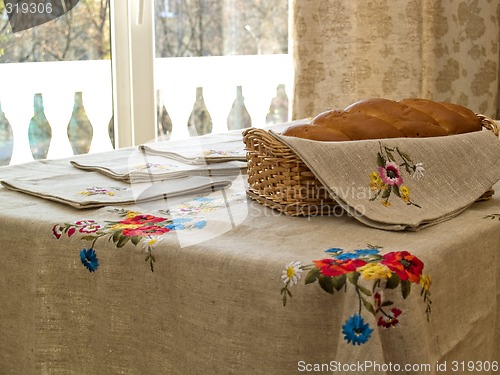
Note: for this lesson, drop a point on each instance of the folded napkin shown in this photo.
(210, 148)
(404, 183)
(136, 166)
(90, 190)
(200, 151)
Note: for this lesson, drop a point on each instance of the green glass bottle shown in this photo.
(200, 122)
(111, 131)
(278, 110)
(6, 139)
(80, 131)
(39, 130)
(239, 118)
(164, 122)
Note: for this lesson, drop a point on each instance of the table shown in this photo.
(213, 305)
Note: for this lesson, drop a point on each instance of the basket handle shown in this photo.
(489, 124)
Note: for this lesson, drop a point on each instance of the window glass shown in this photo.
(56, 93)
(220, 64)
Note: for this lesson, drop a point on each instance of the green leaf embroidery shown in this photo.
(393, 282)
(312, 275)
(339, 282)
(326, 283)
(405, 288)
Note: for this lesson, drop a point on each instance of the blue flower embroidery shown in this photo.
(200, 224)
(356, 254)
(178, 223)
(203, 199)
(334, 250)
(356, 331)
(89, 259)
(362, 252)
(347, 256)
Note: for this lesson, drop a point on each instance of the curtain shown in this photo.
(348, 50)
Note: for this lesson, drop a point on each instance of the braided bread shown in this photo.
(382, 118)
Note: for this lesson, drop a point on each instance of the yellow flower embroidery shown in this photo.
(405, 193)
(131, 214)
(374, 271)
(152, 242)
(425, 281)
(124, 226)
(386, 203)
(374, 177)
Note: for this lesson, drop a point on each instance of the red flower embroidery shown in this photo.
(56, 231)
(405, 265)
(149, 230)
(140, 220)
(391, 320)
(336, 267)
(87, 226)
(390, 174)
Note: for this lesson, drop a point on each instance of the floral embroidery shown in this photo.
(372, 275)
(95, 190)
(136, 227)
(148, 166)
(388, 179)
(292, 273)
(89, 259)
(220, 153)
(355, 330)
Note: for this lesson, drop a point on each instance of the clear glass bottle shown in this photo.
(80, 131)
(200, 122)
(39, 130)
(6, 139)
(239, 118)
(278, 110)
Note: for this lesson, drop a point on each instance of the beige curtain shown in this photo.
(347, 50)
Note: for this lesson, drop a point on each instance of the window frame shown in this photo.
(132, 56)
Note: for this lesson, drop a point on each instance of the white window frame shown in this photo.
(132, 48)
(133, 55)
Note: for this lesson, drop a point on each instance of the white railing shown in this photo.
(176, 78)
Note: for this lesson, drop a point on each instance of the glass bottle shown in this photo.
(278, 110)
(39, 130)
(239, 118)
(111, 131)
(6, 139)
(80, 131)
(200, 122)
(164, 122)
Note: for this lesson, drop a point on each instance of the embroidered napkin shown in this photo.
(211, 148)
(136, 166)
(404, 183)
(90, 190)
(200, 151)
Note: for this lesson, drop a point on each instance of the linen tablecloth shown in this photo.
(204, 295)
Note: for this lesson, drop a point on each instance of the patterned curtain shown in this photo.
(347, 50)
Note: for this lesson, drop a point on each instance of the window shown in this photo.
(137, 65)
(168, 8)
(56, 92)
(221, 49)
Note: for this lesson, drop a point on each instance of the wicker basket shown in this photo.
(279, 179)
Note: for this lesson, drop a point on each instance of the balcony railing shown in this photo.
(176, 80)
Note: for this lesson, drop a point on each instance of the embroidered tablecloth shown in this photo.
(196, 286)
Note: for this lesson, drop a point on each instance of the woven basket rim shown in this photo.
(278, 177)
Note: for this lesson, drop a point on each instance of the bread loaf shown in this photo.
(382, 118)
